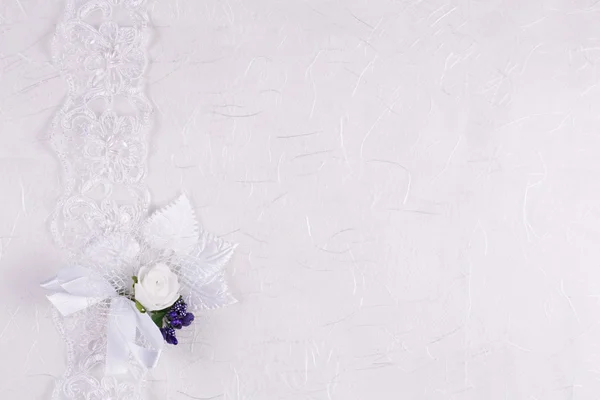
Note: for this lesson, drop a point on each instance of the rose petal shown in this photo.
(169, 301)
(174, 286)
(142, 273)
(158, 287)
(162, 267)
(144, 298)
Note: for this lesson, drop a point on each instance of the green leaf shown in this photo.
(166, 310)
(158, 316)
(140, 307)
(135, 279)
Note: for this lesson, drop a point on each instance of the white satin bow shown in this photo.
(76, 288)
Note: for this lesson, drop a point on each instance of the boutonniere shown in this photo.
(151, 283)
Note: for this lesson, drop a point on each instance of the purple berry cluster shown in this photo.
(169, 334)
(176, 318)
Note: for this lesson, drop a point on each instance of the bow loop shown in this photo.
(76, 288)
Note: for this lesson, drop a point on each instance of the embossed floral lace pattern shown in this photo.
(99, 136)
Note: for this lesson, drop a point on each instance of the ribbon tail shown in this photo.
(123, 321)
(148, 357)
(120, 333)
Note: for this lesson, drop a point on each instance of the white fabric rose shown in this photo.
(157, 287)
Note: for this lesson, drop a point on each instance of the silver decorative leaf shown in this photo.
(173, 228)
(198, 256)
(201, 273)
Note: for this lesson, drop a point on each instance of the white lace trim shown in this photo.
(100, 132)
(99, 135)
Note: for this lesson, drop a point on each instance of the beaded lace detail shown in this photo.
(99, 135)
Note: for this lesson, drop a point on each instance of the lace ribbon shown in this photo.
(99, 135)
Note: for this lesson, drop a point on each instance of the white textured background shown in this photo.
(414, 186)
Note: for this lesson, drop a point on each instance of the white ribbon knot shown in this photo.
(76, 288)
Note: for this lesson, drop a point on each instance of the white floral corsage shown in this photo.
(149, 282)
